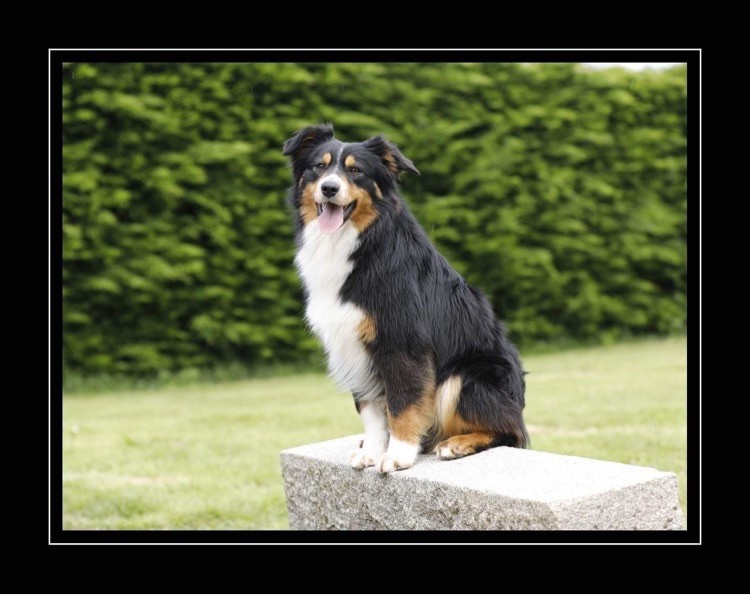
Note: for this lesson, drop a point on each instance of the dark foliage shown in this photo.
(559, 192)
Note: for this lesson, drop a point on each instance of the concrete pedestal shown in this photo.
(502, 488)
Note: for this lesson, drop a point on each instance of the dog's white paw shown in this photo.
(362, 458)
(388, 463)
(400, 455)
(446, 452)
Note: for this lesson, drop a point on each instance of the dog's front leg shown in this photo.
(410, 393)
(373, 414)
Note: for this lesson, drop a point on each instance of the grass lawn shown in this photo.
(207, 456)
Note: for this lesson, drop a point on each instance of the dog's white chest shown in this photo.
(324, 265)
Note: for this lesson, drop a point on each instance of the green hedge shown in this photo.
(560, 192)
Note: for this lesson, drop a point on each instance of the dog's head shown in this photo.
(336, 182)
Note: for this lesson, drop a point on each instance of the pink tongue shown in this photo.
(331, 218)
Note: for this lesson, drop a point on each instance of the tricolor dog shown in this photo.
(430, 366)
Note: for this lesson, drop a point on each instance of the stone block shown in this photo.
(501, 488)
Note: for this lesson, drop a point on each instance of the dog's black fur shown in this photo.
(430, 324)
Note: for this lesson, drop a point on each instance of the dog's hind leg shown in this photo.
(479, 406)
(467, 444)
(464, 445)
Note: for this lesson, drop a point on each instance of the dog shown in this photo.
(429, 365)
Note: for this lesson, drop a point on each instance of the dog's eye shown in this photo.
(320, 166)
(355, 170)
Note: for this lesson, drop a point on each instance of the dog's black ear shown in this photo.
(392, 158)
(306, 139)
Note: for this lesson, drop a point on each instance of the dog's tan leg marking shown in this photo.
(407, 429)
(463, 445)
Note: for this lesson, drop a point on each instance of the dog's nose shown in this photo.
(329, 189)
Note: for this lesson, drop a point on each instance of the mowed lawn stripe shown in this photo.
(207, 456)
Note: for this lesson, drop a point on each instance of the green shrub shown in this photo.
(560, 192)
